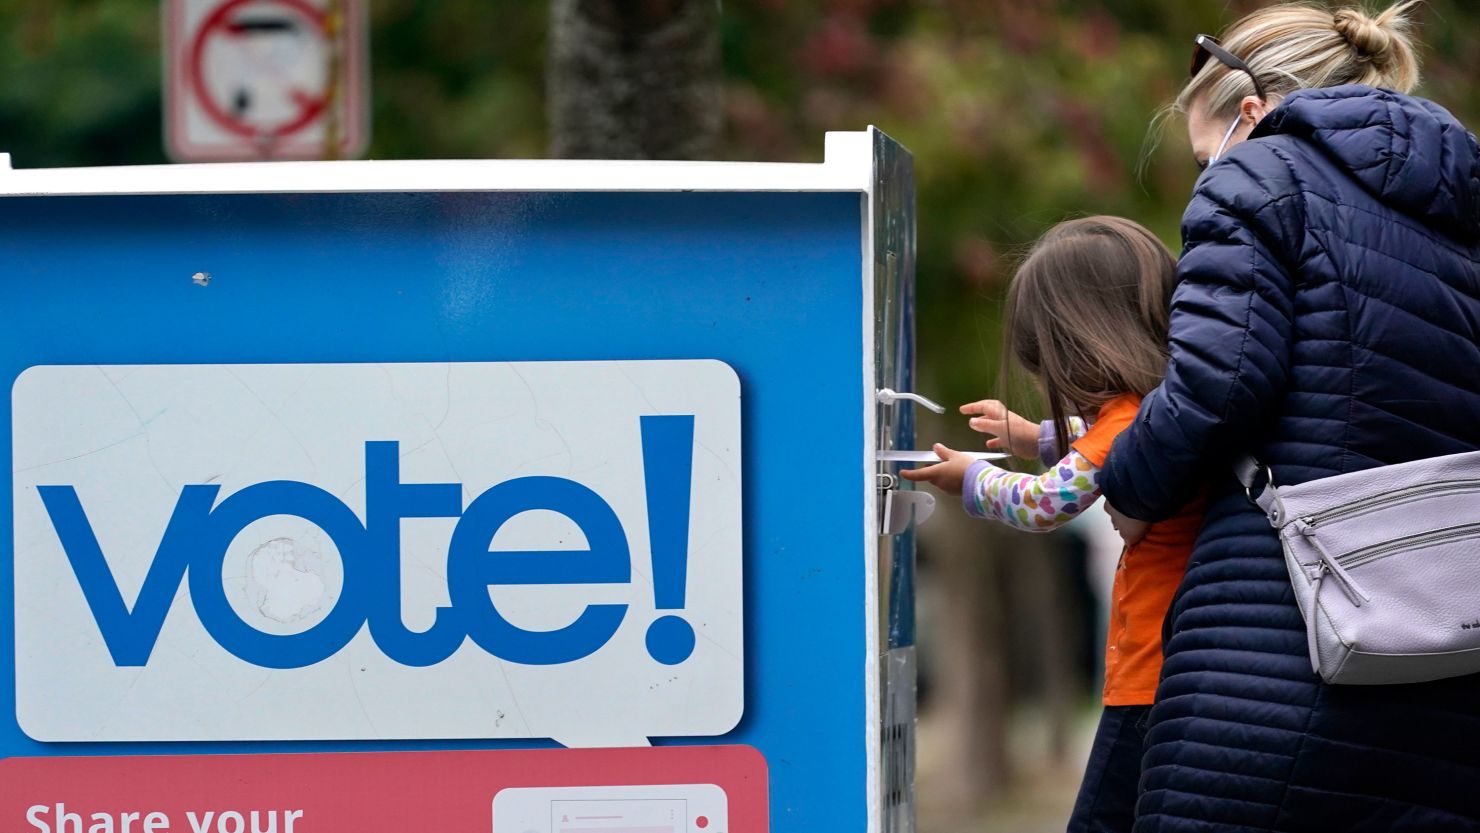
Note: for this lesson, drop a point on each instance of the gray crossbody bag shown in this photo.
(1386, 567)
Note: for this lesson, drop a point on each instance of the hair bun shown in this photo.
(1371, 38)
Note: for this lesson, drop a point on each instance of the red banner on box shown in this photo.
(675, 789)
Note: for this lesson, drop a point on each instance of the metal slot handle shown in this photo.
(888, 396)
(900, 508)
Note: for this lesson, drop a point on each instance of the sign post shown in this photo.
(503, 496)
(265, 79)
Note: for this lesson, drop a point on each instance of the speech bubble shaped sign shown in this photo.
(378, 551)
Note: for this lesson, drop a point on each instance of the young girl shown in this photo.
(1087, 315)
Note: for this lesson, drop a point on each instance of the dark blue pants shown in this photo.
(1107, 796)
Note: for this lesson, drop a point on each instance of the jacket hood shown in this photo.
(1408, 152)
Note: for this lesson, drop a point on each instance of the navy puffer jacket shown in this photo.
(1327, 320)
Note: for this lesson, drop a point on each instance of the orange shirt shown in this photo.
(1145, 579)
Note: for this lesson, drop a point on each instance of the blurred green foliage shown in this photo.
(1019, 112)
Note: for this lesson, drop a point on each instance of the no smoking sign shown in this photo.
(265, 79)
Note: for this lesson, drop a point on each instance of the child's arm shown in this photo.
(1048, 445)
(1032, 504)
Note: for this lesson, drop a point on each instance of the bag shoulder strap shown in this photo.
(1248, 471)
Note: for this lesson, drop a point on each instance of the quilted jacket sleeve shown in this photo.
(1230, 337)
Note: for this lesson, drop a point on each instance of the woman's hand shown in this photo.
(1131, 530)
(1009, 431)
(946, 475)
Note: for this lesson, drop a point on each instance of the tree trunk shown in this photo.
(634, 79)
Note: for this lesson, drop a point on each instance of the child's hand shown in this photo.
(1130, 529)
(1010, 431)
(946, 475)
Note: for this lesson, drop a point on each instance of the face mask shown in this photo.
(1226, 137)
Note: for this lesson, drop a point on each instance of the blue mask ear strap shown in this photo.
(1226, 137)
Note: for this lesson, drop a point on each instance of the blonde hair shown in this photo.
(1294, 46)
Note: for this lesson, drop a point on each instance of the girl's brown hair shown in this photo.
(1087, 314)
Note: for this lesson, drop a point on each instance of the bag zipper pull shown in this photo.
(1329, 565)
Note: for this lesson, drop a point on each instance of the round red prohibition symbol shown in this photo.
(268, 43)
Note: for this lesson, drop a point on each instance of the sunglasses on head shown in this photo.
(1207, 45)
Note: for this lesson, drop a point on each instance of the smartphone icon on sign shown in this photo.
(644, 808)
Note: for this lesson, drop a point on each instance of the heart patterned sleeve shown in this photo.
(1029, 503)
(1048, 438)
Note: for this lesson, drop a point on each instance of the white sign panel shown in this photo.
(675, 808)
(265, 79)
(357, 551)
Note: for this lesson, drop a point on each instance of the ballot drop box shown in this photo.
(525, 497)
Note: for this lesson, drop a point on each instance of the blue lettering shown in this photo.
(226, 521)
(200, 531)
(387, 501)
(129, 634)
(471, 568)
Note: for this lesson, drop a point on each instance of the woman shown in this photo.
(1327, 320)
